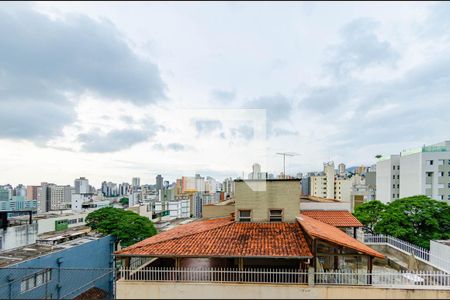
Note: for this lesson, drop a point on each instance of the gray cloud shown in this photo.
(207, 126)
(43, 61)
(326, 99)
(278, 107)
(243, 131)
(113, 141)
(172, 146)
(284, 131)
(360, 48)
(224, 96)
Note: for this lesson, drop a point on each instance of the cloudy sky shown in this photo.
(116, 90)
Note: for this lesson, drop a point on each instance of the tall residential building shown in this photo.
(136, 182)
(388, 178)
(32, 192)
(330, 185)
(341, 169)
(81, 186)
(42, 198)
(4, 195)
(159, 182)
(420, 171)
(60, 196)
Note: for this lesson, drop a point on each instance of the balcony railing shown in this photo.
(439, 261)
(257, 275)
(288, 276)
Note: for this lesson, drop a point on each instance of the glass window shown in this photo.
(449, 174)
(398, 167)
(393, 186)
(448, 197)
(441, 174)
(244, 215)
(393, 195)
(398, 186)
(398, 176)
(448, 185)
(431, 162)
(393, 167)
(393, 176)
(276, 215)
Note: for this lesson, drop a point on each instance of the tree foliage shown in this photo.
(369, 213)
(124, 201)
(126, 226)
(416, 219)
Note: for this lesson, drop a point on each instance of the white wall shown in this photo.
(18, 236)
(48, 225)
(411, 182)
(385, 181)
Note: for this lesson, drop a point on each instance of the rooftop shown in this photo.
(337, 218)
(21, 254)
(326, 232)
(224, 237)
(317, 199)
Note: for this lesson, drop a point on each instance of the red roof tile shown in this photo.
(332, 234)
(225, 238)
(338, 218)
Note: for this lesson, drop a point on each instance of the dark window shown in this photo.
(245, 216)
(276, 215)
(431, 162)
(393, 167)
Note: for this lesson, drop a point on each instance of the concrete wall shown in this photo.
(150, 290)
(260, 196)
(18, 236)
(96, 254)
(411, 175)
(326, 206)
(217, 211)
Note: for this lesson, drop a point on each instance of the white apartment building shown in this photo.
(388, 178)
(420, 171)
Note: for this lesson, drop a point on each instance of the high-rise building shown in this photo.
(136, 182)
(159, 182)
(32, 192)
(4, 195)
(341, 169)
(60, 196)
(419, 171)
(81, 186)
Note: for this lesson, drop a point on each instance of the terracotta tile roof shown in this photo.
(338, 218)
(225, 238)
(92, 293)
(323, 231)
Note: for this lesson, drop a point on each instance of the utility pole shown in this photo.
(284, 160)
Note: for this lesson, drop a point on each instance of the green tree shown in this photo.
(124, 201)
(370, 213)
(126, 226)
(416, 219)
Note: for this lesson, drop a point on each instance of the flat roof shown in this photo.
(25, 253)
(241, 180)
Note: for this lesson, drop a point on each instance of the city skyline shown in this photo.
(199, 94)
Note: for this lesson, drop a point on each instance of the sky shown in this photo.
(117, 90)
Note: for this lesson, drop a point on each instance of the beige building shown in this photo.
(267, 200)
(329, 185)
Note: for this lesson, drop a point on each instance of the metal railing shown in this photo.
(385, 279)
(288, 276)
(256, 275)
(400, 244)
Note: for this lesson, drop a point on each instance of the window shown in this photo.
(393, 176)
(398, 195)
(441, 174)
(449, 161)
(398, 167)
(276, 215)
(245, 216)
(393, 186)
(448, 174)
(35, 280)
(73, 221)
(398, 176)
(448, 185)
(393, 167)
(398, 186)
(448, 197)
(80, 220)
(393, 195)
(430, 162)
(429, 174)
(441, 197)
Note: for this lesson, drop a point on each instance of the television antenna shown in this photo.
(284, 160)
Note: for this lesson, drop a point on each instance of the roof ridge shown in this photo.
(177, 237)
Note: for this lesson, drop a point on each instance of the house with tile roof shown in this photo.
(265, 231)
